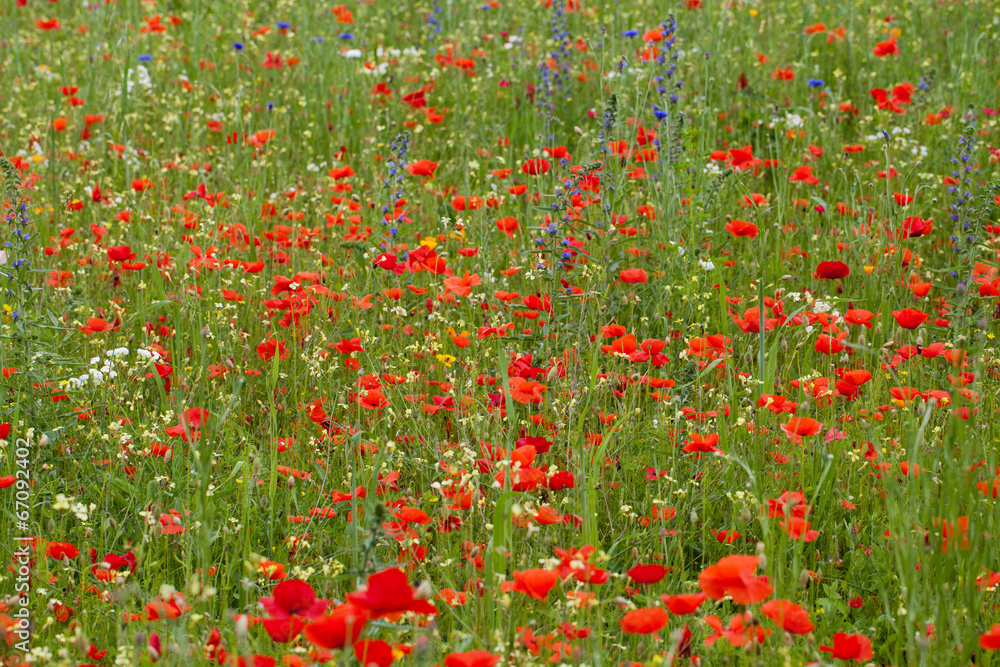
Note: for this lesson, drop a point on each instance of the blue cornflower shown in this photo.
(816, 83)
(145, 58)
(630, 33)
(238, 46)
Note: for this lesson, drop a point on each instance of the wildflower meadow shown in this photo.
(492, 333)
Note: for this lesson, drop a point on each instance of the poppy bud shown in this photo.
(424, 591)
(154, 647)
(291, 481)
(694, 517)
(761, 556)
(242, 623)
(80, 641)
(803, 578)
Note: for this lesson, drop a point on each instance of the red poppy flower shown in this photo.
(742, 159)
(849, 647)
(293, 597)
(190, 424)
(536, 166)
(422, 168)
(120, 253)
(338, 173)
(647, 574)
(741, 228)
(860, 317)
(96, 325)
(462, 285)
(339, 629)
(886, 48)
(801, 427)
(797, 528)
(699, 443)
(534, 583)
(526, 391)
(508, 225)
(60, 550)
(909, 318)
(739, 633)
(632, 276)
(803, 174)
(373, 652)
(388, 593)
(737, 577)
(644, 621)
(789, 503)
(271, 347)
(684, 604)
(990, 640)
(471, 659)
(832, 270)
(829, 345)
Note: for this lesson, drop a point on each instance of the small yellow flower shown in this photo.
(430, 243)
(445, 359)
